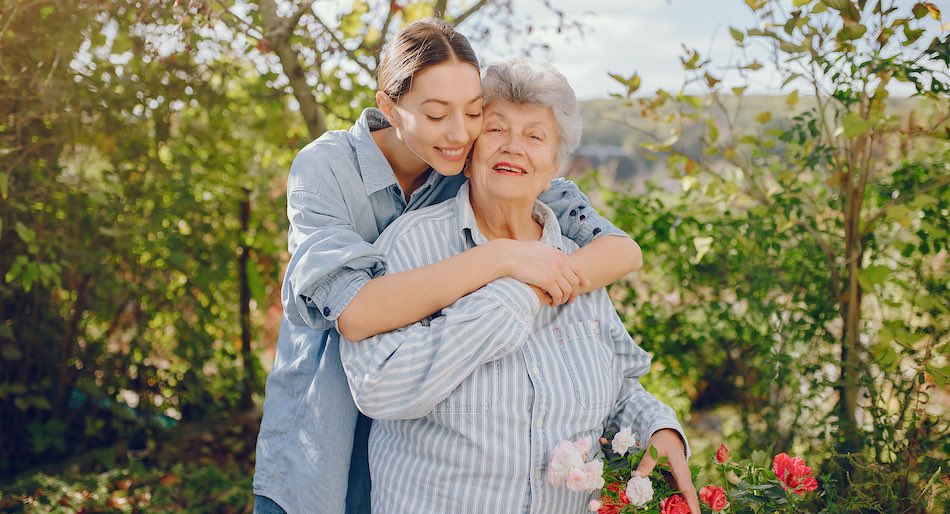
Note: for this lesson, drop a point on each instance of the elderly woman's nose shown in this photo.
(513, 143)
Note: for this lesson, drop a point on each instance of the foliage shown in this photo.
(800, 279)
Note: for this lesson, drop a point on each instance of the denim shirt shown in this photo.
(341, 194)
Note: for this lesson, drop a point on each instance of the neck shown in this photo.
(505, 220)
(409, 169)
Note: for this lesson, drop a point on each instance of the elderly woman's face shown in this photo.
(515, 158)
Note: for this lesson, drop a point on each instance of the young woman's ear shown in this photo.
(388, 108)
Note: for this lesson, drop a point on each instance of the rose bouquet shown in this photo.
(748, 486)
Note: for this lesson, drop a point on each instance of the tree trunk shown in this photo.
(278, 31)
(247, 355)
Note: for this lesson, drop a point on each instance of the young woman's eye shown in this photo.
(475, 115)
(435, 118)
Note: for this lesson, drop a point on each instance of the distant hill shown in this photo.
(614, 133)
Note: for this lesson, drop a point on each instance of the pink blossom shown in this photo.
(564, 458)
(594, 505)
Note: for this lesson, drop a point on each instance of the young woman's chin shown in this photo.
(446, 166)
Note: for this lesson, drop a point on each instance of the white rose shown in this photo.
(623, 441)
(639, 490)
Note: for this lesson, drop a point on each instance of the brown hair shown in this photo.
(421, 44)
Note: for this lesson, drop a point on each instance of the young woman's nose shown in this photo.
(457, 133)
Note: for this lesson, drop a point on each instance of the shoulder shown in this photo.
(318, 163)
(421, 225)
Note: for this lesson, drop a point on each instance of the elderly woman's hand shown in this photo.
(669, 444)
(544, 267)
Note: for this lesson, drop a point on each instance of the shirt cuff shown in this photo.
(516, 296)
(331, 296)
(671, 424)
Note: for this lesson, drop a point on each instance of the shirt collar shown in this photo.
(375, 169)
(550, 230)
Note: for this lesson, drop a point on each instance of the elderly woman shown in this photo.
(469, 403)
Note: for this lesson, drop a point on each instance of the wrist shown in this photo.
(498, 258)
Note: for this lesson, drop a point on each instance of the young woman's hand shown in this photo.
(544, 267)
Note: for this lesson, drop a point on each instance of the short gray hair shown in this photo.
(528, 81)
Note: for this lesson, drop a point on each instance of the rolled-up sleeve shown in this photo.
(404, 374)
(635, 406)
(578, 219)
(330, 261)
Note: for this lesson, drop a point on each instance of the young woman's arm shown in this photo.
(602, 260)
(392, 301)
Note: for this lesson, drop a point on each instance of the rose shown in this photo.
(610, 505)
(713, 496)
(564, 458)
(793, 473)
(586, 478)
(623, 440)
(722, 455)
(639, 490)
(675, 504)
(594, 505)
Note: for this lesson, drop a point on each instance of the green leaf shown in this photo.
(10, 352)
(653, 453)
(877, 274)
(799, 3)
(792, 99)
(737, 34)
(854, 125)
(851, 32)
(26, 234)
(255, 282)
(920, 10)
(416, 11)
(4, 185)
(764, 117)
(6, 332)
(900, 214)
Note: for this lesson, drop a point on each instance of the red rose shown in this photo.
(610, 505)
(714, 496)
(722, 455)
(675, 504)
(794, 474)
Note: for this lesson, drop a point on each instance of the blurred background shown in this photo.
(784, 165)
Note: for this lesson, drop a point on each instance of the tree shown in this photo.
(842, 184)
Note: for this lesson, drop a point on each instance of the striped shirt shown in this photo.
(470, 402)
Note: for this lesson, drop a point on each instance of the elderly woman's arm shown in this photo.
(404, 374)
(635, 406)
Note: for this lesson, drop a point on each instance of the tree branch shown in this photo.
(458, 20)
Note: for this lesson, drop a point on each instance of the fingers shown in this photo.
(684, 482)
(647, 464)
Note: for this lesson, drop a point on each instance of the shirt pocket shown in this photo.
(588, 361)
(476, 393)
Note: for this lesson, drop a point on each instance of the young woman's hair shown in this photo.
(421, 44)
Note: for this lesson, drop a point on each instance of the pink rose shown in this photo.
(594, 505)
(577, 480)
(714, 496)
(794, 474)
(588, 477)
(675, 504)
(722, 455)
(583, 445)
(564, 457)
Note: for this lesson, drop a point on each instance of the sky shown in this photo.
(646, 36)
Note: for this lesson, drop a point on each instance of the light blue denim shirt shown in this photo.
(341, 194)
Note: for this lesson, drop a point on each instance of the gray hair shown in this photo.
(528, 81)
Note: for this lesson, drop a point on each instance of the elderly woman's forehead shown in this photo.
(502, 109)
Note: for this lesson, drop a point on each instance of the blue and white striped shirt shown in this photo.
(470, 402)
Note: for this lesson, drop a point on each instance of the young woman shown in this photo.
(344, 189)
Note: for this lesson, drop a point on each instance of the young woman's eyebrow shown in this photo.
(443, 102)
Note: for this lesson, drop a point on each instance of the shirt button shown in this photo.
(537, 424)
(573, 212)
(535, 370)
(326, 311)
(596, 231)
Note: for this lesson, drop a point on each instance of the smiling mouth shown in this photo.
(509, 169)
(452, 152)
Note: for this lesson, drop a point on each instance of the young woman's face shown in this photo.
(441, 115)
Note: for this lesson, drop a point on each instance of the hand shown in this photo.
(539, 265)
(668, 444)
